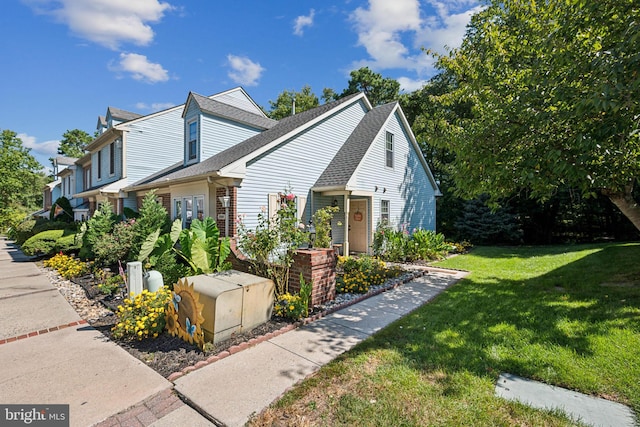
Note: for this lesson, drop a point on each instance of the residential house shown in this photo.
(237, 163)
(131, 147)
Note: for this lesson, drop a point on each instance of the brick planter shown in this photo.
(317, 265)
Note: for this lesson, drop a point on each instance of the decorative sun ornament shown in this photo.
(184, 314)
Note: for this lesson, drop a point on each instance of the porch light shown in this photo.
(312, 234)
(334, 203)
(224, 201)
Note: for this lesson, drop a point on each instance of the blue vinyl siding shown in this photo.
(218, 134)
(238, 99)
(296, 163)
(106, 177)
(154, 143)
(408, 189)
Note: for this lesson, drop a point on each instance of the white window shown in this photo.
(87, 178)
(384, 210)
(389, 150)
(192, 141)
(188, 208)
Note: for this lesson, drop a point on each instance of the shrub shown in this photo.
(23, 231)
(399, 245)
(98, 225)
(61, 210)
(66, 266)
(49, 242)
(143, 316)
(322, 223)
(152, 216)
(171, 269)
(294, 306)
(111, 284)
(359, 274)
(116, 245)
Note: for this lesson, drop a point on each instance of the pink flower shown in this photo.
(290, 197)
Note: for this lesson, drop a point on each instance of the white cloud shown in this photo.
(447, 29)
(244, 71)
(303, 21)
(410, 85)
(140, 68)
(154, 106)
(393, 33)
(106, 22)
(48, 148)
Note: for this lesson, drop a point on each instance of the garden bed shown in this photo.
(167, 354)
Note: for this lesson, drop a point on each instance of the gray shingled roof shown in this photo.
(344, 164)
(123, 115)
(238, 151)
(220, 109)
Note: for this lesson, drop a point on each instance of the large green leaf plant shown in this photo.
(200, 246)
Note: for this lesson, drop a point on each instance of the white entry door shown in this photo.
(358, 220)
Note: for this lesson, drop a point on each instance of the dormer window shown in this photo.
(192, 141)
(112, 159)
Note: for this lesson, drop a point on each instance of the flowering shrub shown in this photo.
(66, 266)
(289, 305)
(400, 245)
(116, 245)
(143, 316)
(270, 247)
(359, 274)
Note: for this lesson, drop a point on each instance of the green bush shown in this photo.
(50, 242)
(171, 269)
(400, 245)
(66, 215)
(115, 246)
(359, 274)
(23, 231)
(99, 224)
(152, 216)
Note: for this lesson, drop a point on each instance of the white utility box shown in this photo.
(234, 302)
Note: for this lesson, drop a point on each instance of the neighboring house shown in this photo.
(56, 189)
(131, 147)
(236, 163)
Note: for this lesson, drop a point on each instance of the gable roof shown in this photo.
(346, 161)
(226, 111)
(123, 115)
(257, 144)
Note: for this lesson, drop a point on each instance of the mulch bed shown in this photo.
(165, 354)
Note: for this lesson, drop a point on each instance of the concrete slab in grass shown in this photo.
(320, 341)
(232, 389)
(581, 407)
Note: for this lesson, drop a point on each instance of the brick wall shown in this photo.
(316, 265)
(220, 192)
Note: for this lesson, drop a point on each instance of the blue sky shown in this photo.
(66, 61)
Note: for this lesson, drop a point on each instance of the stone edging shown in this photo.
(42, 331)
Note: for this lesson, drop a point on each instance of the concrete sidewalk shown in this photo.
(55, 357)
(230, 390)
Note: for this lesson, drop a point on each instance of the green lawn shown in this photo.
(565, 315)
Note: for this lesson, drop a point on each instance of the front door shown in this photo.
(358, 220)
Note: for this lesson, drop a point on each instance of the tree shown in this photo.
(555, 95)
(21, 178)
(73, 143)
(283, 106)
(379, 90)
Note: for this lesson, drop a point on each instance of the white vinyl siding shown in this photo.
(154, 143)
(297, 163)
(407, 187)
(389, 150)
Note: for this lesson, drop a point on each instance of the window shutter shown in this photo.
(273, 206)
(301, 207)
